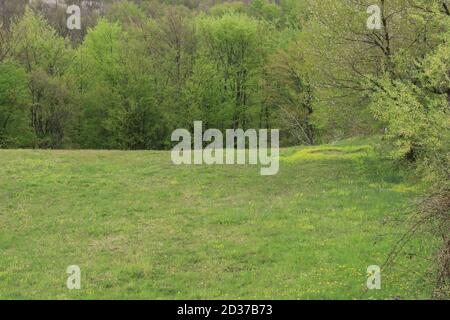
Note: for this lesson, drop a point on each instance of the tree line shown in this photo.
(139, 71)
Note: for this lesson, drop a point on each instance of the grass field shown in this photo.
(140, 227)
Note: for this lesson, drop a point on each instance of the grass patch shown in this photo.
(140, 227)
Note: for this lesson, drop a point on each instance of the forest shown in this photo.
(319, 71)
(138, 70)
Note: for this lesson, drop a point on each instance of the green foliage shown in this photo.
(145, 69)
(312, 69)
(45, 56)
(236, 46)
(120, 90)
(288, 95)
(415, 121)
(13, 98)
(37, 46)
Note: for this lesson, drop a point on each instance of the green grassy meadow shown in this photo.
(140, 227)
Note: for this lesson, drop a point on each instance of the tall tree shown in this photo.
(237, 46)
(46, 57)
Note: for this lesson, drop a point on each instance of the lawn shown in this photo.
(140, 227)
